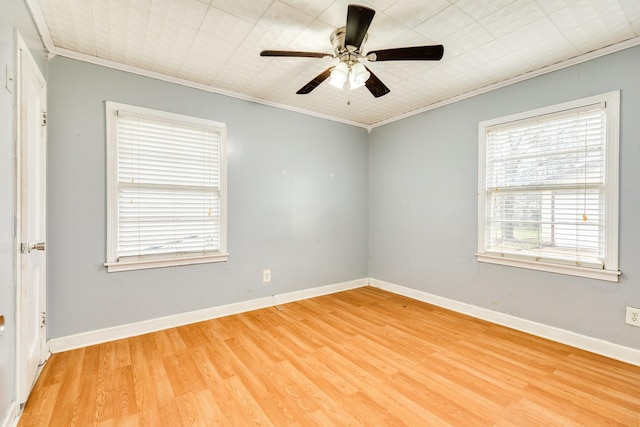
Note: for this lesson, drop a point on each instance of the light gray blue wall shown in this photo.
(423, 206)
(298, 203)
(13, 16)
(398, 205)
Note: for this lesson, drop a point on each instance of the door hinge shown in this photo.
(44, 118)
(44, 319)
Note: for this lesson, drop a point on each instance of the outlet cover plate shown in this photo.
(633, 316)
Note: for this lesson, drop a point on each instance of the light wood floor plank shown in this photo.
(363, 357)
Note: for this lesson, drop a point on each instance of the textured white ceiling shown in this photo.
(217, 43)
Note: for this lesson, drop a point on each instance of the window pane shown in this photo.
(545, 188)
(169, 176)
(564, 224)
(154, 221)
(179, 156)
(567, 150)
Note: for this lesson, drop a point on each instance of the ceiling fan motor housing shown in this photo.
(340, 50)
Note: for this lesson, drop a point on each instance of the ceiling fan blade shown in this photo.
(375, 85)
(358, 20)
(415, 53)
(294, 53)
(315, 82)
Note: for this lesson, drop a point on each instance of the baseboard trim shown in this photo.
(85, 339)
(10, 417)
(593, 345)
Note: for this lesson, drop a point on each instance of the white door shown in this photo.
(31, 224)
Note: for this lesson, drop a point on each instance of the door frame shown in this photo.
(22, 52)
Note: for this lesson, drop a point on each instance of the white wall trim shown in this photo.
(593, 345)
(41, 25)
(532, 264)
(10, 417)
(369, 127)
(207, 88)
(99, 336)
(526, 76)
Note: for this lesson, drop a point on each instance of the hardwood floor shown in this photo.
(360, 357)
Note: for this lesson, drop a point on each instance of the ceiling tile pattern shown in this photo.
(217, 43)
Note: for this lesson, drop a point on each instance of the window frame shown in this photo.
(609, 272)
(112, 263)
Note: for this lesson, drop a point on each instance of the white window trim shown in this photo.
(610, 271)
(167, 260)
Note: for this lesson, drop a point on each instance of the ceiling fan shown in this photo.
(347, 42)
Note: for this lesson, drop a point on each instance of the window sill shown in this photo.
(591, 273)
(142, 264)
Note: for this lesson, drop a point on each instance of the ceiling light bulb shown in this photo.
(339, 75)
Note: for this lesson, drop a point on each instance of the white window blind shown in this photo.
(546, 189)
(168, 187)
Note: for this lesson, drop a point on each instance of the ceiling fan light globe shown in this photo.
(353, 84)
(338, 79)
(359, 74)
(361, 78)
(339, 75)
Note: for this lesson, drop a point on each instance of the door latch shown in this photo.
(26, 248)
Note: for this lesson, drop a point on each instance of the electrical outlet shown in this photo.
(266, 276)
(633, 316)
